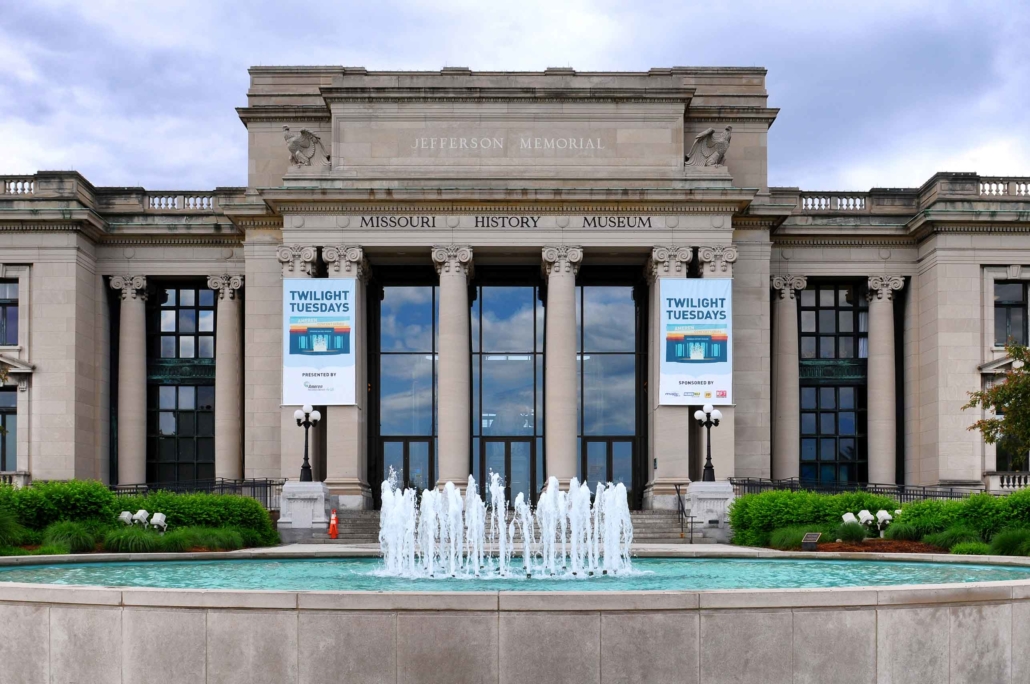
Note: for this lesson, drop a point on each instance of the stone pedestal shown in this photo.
(709, 503)
(304, 510)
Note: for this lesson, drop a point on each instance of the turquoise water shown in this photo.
(361, 574)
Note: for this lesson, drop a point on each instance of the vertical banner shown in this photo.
(697, 334)
(318, 341)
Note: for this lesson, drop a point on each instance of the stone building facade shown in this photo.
(507, 231)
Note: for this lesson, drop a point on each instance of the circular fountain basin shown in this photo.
(648, 574)
(266, 617)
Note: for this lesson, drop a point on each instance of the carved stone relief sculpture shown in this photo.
(304, 146)
(709, 148)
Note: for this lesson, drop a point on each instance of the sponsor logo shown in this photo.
(721, 394)
(708, 395)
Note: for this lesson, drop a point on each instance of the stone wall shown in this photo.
(960, 633)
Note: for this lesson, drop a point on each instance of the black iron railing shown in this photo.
(684, 517)
(265, 491)
(901, 493)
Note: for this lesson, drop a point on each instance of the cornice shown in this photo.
(528, 208)
(288, 113)
(160, 240)
(927, 229)
(838, 241)
(274, 222)
(336, 94)
(88, 229)
(724, 113)
(756, 223)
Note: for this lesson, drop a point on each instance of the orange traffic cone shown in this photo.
(333, 531)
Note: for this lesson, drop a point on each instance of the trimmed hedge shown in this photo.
(753, 517)
(91, 503)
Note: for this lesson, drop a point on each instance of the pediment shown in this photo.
(16, 365)
(996, 367)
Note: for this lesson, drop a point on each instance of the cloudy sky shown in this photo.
(871, 93)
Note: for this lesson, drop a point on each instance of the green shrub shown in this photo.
(11, 532)
(985, 513)
(253, 538)
(956, 534)
(132, 539)
(902, 531)
(932, 515)
(58, 549)
(211, 538)
(92, 503)
(13, 551)
(75, 535)
(753, 517)
(851, 532)
(1009, 542)
(205, 510)
(789, 538)
(43, 503)
(977, 548)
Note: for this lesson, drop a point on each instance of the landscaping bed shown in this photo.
(880, 546)
(81, 517)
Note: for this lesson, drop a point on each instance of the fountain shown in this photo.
(568, 535)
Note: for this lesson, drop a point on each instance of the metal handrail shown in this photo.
(266, 491)
(682, 510)
(903, 493)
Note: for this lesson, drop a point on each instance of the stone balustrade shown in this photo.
(18, 186)
(1000, 187)
(833, 202)
(182, 202)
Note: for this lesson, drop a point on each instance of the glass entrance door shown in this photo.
(608, 460)
(514, 460)
(411, 460)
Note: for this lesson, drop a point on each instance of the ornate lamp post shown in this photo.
(306, 418)
(706, 417)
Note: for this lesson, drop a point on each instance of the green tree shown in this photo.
(1007, 406)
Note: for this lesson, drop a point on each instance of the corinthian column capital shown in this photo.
(562, 259)
(131, 286)
(226, 285)
(786, 285)
(883, 286)
(453, 259)
(717, 259)
(349, 262)
(297, 259)
(668, 262)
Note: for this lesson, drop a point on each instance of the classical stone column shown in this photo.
(786, 379)
(881, 421)
(228, 378)
(560, 265)
(132, 380)
(298, 261)
(346, 432)
(454, 419)
(717, 262)
(668, 457)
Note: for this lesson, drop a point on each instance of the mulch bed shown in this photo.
(881, 546)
